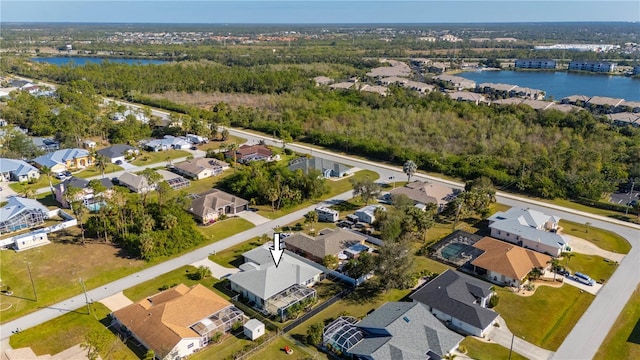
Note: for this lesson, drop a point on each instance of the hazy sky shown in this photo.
(318, 11)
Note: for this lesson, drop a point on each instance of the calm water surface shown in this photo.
(86, 60)
(562, 84)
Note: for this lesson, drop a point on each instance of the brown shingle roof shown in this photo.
(329, 242)
(213, 200)
(424, 192)
(161, 321)
(508, 259)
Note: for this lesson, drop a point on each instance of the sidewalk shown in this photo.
(503, 336)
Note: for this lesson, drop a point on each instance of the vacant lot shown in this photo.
(71, 329)
(207, 101)
(56, 269)
(623, 341)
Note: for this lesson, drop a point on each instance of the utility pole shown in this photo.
(35, 294)
(86, 299)
(511, 348)
(626, 211)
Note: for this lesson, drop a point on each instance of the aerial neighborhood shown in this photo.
(273, 204)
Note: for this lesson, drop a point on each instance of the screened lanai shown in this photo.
(342, 334)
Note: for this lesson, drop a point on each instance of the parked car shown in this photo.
(582, 278)
(118, 162)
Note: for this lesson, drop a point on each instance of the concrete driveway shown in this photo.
(503, 336)
(583, 246)
(116, 302)
(217, 271)
(253, 217)
(128, 166)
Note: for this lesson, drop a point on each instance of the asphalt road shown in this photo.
(581, 343)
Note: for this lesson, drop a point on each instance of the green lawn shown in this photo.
(603, 212)
(200, 186)
(71, 329)
(232, 257)
(481, 350)
(175, 277)
(56, 269)
(225, 228)
(94, 171)
(604, 239)
(229, 346)
(39, 183)
(146, 158)
(275, 350)
(216, 144)
(546, 317)
(623, 341)
(592, 265)
(335, 188)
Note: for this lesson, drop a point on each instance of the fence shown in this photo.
(316, 310)
(257, 348)
(69, 221)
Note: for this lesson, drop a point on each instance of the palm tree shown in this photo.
(71, 196)
(28, 192)
(272, 195)
(233, 149)
(46, 171)
(410, 169)
(101, 163)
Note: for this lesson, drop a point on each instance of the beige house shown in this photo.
(209, 206)
(329, 242)
(201, 168)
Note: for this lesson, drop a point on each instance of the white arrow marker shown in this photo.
(276, 252)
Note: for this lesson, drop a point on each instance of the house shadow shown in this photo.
(634, 337)
(363, 294)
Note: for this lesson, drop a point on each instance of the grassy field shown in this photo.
(146, 158)
(56, 269)
(71, 329)
(200, 186)
(217, 144)
(480, 350)
(180, 275)
(604, 239)
(225, 228)
(623, 341)
(573, 205)
(335, 188)
(546, 317)
(94, 171)
(592, 265)
(275, 350)
(232, 257)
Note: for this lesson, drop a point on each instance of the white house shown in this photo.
(17, 170)
(530, 229)
(367, 213)
(167, 143)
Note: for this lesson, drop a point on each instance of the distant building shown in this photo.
(326, 167)
(593, 66)
(67, 159)
(535, 64)
(456, 82)
(636, 70)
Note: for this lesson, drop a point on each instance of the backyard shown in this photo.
(562, 307)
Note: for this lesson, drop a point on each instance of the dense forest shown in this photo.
(548, 154)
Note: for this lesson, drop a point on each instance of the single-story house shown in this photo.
(247, 153)
(507, 264)
(21, 213)
(45, 144)
(274, 288)
(208, 206)
(118, 152)
(329, 242)
(468, 96)
(457, 82)
(423, 193)
(326, 167)
(136, 183)
(459, 300)
(177, 322)
(530, 229)
(175, 181)
(86, 194)
(63, 160)
(367, 213)
(322, 80)
(201, 168)
(167, 143)
(17, 170)
(396, 330)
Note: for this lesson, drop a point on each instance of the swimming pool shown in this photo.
(452, 250)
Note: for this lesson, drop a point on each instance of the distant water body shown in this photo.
(562, 84)
(88, 60)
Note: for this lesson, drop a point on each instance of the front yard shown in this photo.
(180, 275)
(594, 266)
(623, 341)
(546, 317)
(224, 228)
(94, 171)
(604, 239)
(480, 350)
(71, 329)
(146, 158)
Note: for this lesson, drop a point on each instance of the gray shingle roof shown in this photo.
(266, 280)
(329, 242)
(454, 293)
(115, 151)
(321, 164)
(404, 331)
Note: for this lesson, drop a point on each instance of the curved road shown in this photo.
(582, 343)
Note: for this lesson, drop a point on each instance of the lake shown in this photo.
(84, 60)
(560, 84)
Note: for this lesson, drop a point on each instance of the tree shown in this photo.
(393, 266)
(224, 135)
(163, 189)
(366, 188)
(272, 195)
(233, 149)
(169, 221)
(147, 246)
(152, 178)
(101, 163)
(410, 169)
(94, 342)
(330, 262)
(311, 217)
(46, 171)
(314, 334)
(28, 192)
(202, 272)
(74, 197)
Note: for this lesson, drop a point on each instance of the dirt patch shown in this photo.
(207, 101)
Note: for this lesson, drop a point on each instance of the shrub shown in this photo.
(493, 301)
